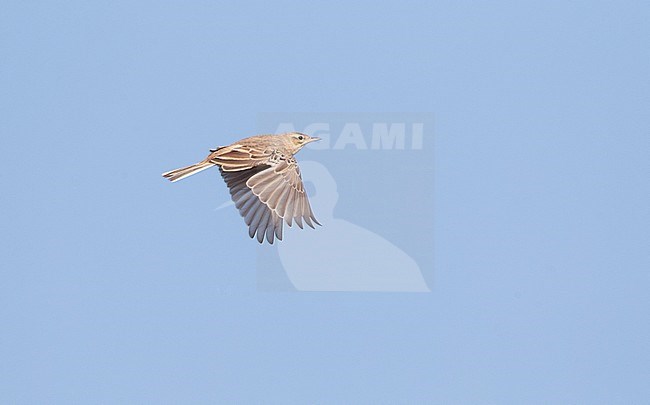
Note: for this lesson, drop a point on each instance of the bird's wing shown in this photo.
(240, 157)
(261, 220)
(280, 187)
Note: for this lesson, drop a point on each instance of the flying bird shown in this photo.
(264, 181)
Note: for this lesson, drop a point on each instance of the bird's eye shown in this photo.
(300, 137)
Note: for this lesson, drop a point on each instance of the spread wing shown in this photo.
(280, 187)
(266, 188)
(261, 220)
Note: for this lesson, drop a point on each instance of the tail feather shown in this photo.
(183, 172)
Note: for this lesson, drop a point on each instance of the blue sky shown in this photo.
(116, 286)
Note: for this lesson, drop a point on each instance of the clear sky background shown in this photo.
(117, 287)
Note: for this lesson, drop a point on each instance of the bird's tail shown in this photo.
(183, 172)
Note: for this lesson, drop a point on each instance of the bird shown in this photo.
(264, 180)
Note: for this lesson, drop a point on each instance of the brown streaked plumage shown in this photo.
(264, 181)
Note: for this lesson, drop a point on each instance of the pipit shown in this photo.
(264, 181)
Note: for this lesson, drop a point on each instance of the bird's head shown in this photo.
(297, 140)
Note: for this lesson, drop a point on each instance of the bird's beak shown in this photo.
(314, 139)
